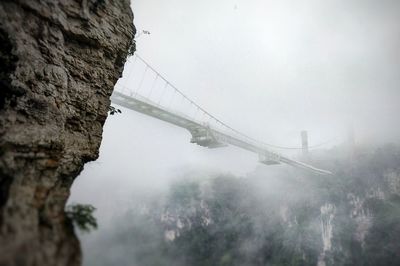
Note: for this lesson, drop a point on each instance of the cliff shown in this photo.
(59, 61)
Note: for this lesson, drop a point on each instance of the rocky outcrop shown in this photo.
(59, 61)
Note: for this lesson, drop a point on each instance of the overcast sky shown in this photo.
(268, 68)
(273, 68)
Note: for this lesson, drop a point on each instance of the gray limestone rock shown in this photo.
(59, 61)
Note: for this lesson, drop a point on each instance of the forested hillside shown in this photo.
(285, 217)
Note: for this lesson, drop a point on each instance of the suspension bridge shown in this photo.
(145, 90)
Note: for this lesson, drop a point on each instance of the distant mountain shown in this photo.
(284, 217)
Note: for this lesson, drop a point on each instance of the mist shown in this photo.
(269, 69)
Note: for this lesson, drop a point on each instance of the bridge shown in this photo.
(150, 93)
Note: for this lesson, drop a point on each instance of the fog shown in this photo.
(270, 69)
(311, 65)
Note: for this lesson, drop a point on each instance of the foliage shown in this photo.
(233, 221)
(114, 110)
(132, 48)
(385, 231)
(82, 216)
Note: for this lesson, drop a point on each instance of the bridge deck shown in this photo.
(203, 134)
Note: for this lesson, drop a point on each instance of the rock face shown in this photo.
(59, 61)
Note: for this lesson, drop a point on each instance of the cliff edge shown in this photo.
(59, 61)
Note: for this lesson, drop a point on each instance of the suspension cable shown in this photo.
(212, 117)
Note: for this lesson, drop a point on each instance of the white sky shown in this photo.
(269, 68)
(273, 68)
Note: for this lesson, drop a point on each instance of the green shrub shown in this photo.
(82, 216)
